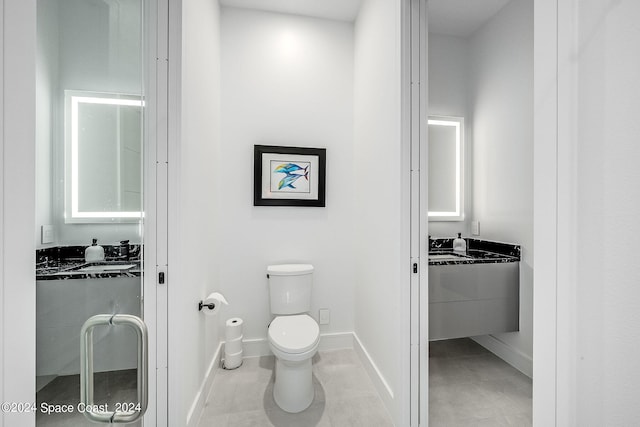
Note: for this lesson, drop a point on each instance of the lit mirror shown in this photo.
(446, 168)
(103, 157)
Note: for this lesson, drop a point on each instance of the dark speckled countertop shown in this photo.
(67, 262)
(478, 252)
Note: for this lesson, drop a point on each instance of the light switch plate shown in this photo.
(46, 234)
(324, 316)
(475, 228)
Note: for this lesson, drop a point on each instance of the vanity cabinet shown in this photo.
(473, 299)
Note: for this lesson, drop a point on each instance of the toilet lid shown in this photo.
(294, 334)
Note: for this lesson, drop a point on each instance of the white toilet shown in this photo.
(293, 335)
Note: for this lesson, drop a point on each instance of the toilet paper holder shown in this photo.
(202, 305)
(212, 301)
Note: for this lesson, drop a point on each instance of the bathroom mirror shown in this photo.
(446, 144)
(103, 157)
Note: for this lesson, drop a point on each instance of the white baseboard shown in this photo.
(203, 392)
(332, 341)
(382, 386)
(512, 356)
(255, 347)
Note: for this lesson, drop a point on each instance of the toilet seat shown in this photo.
(294, 334)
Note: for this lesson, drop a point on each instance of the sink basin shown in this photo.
(105, 268)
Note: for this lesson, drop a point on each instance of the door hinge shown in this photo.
(161, 278)
(415, 267)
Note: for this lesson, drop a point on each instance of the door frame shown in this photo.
(555, 77)
(156, 194)
(415, 103)
(553, 80)
(18, 207)
(2, 203)
(545, 220)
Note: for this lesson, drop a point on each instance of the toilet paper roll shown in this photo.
(212, 303)
(233, 346)
(233, 329)
(232, 361)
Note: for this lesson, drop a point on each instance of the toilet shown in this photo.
(293, 335)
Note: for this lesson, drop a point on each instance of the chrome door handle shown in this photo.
(86, 369)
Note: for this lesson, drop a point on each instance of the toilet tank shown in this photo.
(290, 288)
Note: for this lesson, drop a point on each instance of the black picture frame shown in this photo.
(289, 176)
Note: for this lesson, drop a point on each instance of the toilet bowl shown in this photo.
(294, 341)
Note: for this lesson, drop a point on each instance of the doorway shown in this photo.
(541, 326)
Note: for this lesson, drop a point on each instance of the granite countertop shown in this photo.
(67, 262)
(89, 270)
(478, 252)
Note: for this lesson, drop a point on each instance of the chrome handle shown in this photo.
(86, 368)
(143, 365)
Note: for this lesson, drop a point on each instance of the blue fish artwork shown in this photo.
(292, 172)
(289, 168)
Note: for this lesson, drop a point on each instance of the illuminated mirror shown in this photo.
(446, 168)
(103, 157)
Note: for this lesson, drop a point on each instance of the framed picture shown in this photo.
(289, 176)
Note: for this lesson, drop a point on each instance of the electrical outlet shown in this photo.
(47, 234)
(324, 316)
(475, 228)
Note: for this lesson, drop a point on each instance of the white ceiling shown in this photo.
(450, 17)
(341, 10)
(461, 17)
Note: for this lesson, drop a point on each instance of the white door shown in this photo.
(79, 340)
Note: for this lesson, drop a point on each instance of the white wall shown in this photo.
(100, 46)
(193, 199)
(449, 95)
(286, 80)
(502, 81)
(606, 328)
(300, 81)
(382, 258)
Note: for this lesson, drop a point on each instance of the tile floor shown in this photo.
(470, 386)
(110, 388)
(345, 396)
